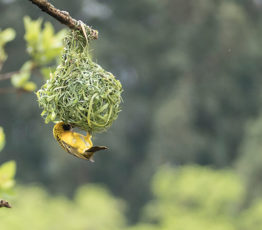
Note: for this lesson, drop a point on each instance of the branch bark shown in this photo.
(4, 204)
(13, 90)
(6, 76)
(7, 90)
(63, 16)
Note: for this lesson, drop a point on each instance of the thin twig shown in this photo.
(6, 76)
(13, 90)
(62, 16)
(4, 204)
(7, 90)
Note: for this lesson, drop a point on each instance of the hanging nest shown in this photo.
(80, 92)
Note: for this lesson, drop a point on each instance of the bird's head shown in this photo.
(66, 127)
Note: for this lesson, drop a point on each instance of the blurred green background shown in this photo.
(185, 152)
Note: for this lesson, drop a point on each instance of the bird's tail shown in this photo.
(90, 152)
(96, 148)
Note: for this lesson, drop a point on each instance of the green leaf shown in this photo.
(7, 173)
(27, 66)
(2, 138)
(6, 35)
(46, 71)
(29, 86)
(20, 79)
(8, 169)
(32, 31)
(48, 33)
(42, 44)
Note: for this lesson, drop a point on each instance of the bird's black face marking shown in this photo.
(67, 127)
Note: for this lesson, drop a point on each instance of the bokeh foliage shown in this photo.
(44, 48)
(193, 197)
(6, 35)
(2, 139)
(7, 171)
(92, 207)
(43, 44)
(188, 197)
(7, 182)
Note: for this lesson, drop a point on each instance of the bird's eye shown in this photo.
(66, 127)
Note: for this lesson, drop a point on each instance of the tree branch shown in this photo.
(13, 90)
(7, 90)
(63, 16)
(4, 204)
(6, 76)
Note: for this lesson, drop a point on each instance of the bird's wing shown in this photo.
(96, 148)
(88, 154)
(70, 149)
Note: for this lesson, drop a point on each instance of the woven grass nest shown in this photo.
(80, 92)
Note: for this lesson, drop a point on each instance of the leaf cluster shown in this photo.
(92, 207)
(44, 47)
(6, 35)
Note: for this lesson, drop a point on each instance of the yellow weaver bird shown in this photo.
(74, 143)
